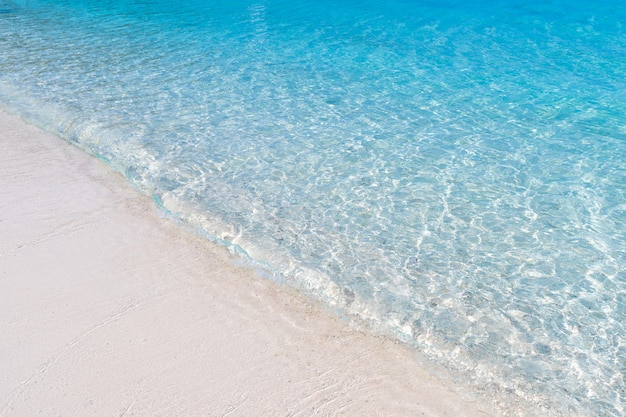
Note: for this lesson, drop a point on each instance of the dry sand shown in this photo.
(109, 309)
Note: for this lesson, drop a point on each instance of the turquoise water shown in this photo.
(449, 173)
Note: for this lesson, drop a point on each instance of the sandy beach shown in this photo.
(107, 308)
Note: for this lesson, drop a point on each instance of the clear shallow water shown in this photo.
(450, 174)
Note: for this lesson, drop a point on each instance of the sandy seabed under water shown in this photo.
(108, 308)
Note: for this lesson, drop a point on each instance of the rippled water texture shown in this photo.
(450, 173)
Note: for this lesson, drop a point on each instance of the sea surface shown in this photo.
(448, 173)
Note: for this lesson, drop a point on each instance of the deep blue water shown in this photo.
(449, 173)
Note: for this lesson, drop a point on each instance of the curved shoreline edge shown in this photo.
(108, 308)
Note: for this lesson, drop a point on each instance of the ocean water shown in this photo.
(448, 173)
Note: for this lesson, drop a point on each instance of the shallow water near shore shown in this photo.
(450, 174)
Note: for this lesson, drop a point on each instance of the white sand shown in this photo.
(108, 309)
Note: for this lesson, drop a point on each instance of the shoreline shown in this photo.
(109, 308)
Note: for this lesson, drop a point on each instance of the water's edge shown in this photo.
(492, 399)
